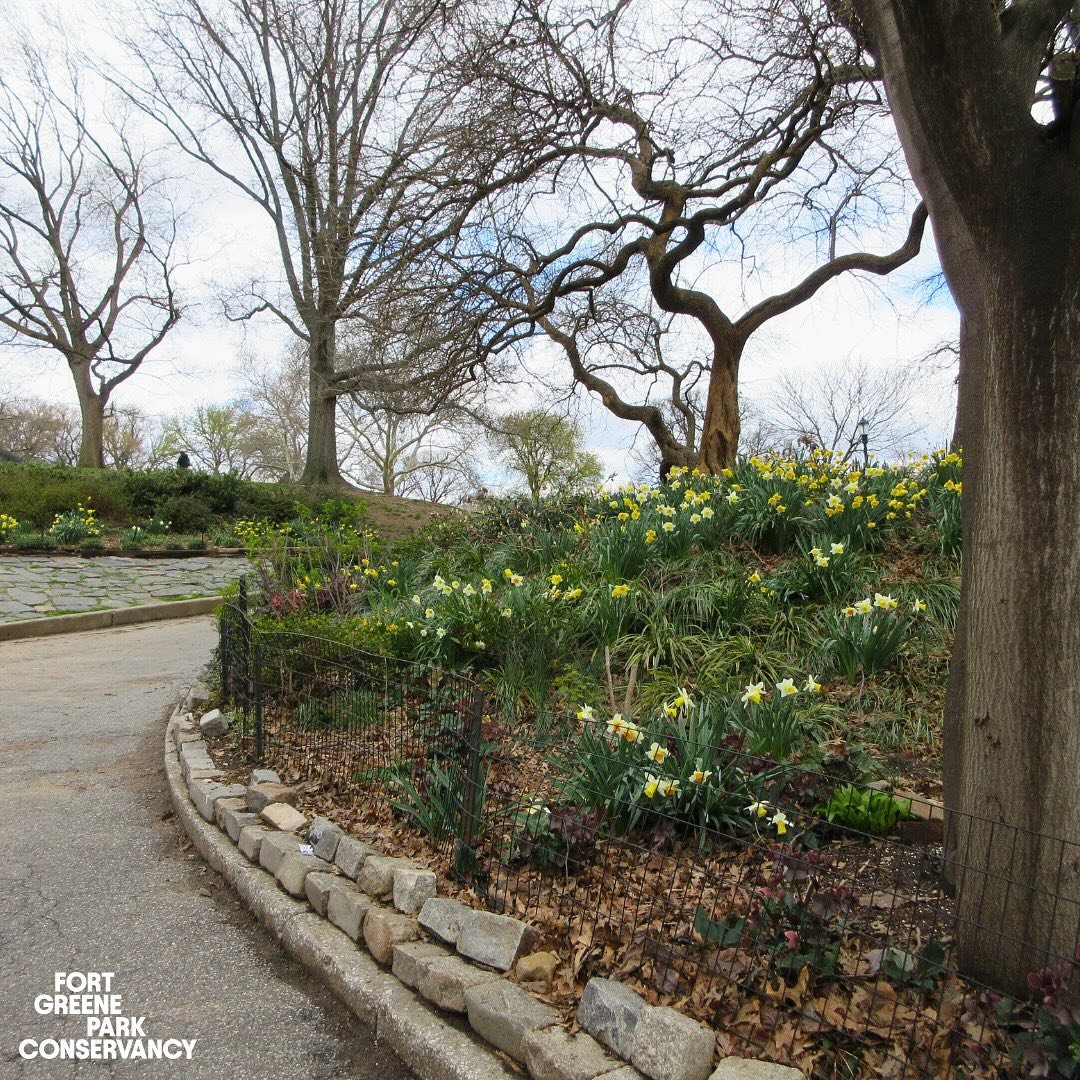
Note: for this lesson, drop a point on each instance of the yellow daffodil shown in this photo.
(700, 777)
(485, 586)
(837, 549)
(657, 753)
(651, 784)
(707, 512)
(516, 580)
(812, 685)
(864, 606)
(668, 526)
(429, 613)
(786, 687)
(886, 603)
(754, 578)
(668, 787)
(616, 725)
(758, 808)
(586, 713)
(632, 733)
(753, 693)
(917, 607)
(618, 591)
(779, 819)
(732, 497)
(556, 579)
(650, 536)
(508, 573)
(506, 613)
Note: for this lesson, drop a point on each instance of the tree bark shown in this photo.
(1015, 742)
(1002, 194)
(92, 415)
(321, 465)
(721, 426)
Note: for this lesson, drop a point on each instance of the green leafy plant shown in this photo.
(74, 525)
(132, 539)
(866, 637)
(431, 800)
(865, 809)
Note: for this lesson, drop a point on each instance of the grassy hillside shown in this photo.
(811, 601)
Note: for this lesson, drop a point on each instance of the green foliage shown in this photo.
(864, 809)
(775, 728)
(865, 639)
(546, 451)
(132, 539)
(73, 526)
(431, 800)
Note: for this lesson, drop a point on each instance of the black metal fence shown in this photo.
(671, 858)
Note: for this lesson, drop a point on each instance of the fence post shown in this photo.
(472, 799)
(225, 651)
(244, 697)
(256, 679)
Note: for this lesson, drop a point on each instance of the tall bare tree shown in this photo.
(984, 94)
(336, 118)
(679, 143)
(86, 236)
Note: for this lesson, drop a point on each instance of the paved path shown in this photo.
(35, 586)
(95, 877)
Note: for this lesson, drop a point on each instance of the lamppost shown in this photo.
(865, 442)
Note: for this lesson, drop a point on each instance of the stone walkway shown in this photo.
(32, 587)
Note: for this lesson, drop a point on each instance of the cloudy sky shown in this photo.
(886, 322)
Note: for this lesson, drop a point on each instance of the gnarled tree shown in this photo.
(675, 157)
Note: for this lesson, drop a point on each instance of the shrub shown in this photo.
(187, 513)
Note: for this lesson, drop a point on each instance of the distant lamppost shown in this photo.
(865, 442)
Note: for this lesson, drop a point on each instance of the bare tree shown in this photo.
(400, 452)
(86, 236)
(336, 118)
(616, 349)
(275, 394)
(984, 95)
(669, 155)
(833, 406)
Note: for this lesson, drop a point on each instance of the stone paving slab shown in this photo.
(35, 586)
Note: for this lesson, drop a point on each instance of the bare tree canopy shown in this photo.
(86, 235)
(675, 139)
(831, 407)
(984, 95)
(336, 118)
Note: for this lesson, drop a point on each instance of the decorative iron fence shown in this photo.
(768, 901)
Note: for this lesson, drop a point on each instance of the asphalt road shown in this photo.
(95, 877)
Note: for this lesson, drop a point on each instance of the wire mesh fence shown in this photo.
(764, 899)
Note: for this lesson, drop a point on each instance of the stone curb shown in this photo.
(122, 553)
(350, 929)
(434, 1047)
(103, 620)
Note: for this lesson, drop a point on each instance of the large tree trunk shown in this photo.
(321, 462)
(92, 415)
(721, 427)
(1014, 741)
